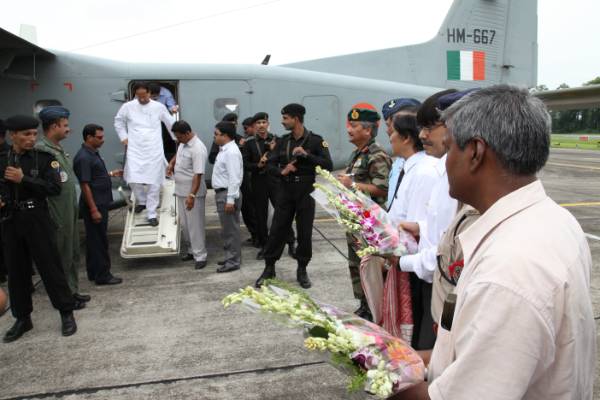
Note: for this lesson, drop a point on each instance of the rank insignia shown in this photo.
(355, 114)
(325, 144)
(392, 104)
(54, 164)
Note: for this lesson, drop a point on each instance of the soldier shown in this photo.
(29, 177)
(265, 186)
(3, 148)
(367, 171)
(294, 161)
(248, 214)
(63, 207)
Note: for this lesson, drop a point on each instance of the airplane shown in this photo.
(480, 43)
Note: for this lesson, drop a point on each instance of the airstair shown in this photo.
(140, 239)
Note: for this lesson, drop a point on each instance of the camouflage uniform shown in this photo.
(64, 213)
(369, 165)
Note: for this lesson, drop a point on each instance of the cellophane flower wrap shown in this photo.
(375, 361)
(362, 217)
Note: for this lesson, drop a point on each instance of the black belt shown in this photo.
(218, 190)
(298, 178)
(29, 205)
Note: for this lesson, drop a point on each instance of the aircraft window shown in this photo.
(225, 106)
(40, 104)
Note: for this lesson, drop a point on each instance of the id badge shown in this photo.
(448, 312)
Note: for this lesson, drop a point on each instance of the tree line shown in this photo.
(574, 121)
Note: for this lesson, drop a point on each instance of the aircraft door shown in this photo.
(205, 102)
(322, 117)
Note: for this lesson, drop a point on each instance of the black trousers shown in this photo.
(267, 189)
(97, 259)
(294, 202)
(3, 271)
(30, 234)
(423, 334)
(248, 214)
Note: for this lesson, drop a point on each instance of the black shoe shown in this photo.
(221, 262)
(69, 327)
(187, 257)
(79, 305)
(200, 264)
(261, 254)
(228, 268)
(20, 326)
(292, 250)
(302, 277)
(82, 297)
(139, 208)
(363, 311)
(153, 222)
(268, 273)
(113, 280)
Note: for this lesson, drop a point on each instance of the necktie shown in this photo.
(397, 186)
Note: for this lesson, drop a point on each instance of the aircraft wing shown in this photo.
(15, 46)
(571, 99)
(18, 57)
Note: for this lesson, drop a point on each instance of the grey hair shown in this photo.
(370, 125)
(514, 124)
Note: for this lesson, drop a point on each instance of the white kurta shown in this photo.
(140, 125)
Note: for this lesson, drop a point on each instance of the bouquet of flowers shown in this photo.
(361, 217)
(377, 362)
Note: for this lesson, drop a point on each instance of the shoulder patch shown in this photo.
(54, 164)
(324, 144)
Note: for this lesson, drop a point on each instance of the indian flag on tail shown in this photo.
(466, 65)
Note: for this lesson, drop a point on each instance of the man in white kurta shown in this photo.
(138, 125)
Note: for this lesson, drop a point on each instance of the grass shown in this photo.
(573, 141)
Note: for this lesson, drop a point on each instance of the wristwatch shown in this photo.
(192, 195)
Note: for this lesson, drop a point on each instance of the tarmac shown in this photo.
(163, 333)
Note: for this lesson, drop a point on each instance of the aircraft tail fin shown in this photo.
(480, 43)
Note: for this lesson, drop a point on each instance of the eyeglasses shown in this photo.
(433, 127)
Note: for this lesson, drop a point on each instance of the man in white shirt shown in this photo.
(439, 211)
(188, 167)
(522, 326)
(227, 177)
(138, 125)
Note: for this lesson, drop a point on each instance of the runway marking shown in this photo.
(590, 236)
(583, 204)
(573, 166)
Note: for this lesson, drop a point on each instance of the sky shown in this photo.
(244, 31)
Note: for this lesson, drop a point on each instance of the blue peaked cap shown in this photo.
(393, 106)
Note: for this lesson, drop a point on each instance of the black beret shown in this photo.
(52, 113)
(20, 123)
(248, 121)
(260, 115)
(448, 99)
(294, 109)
